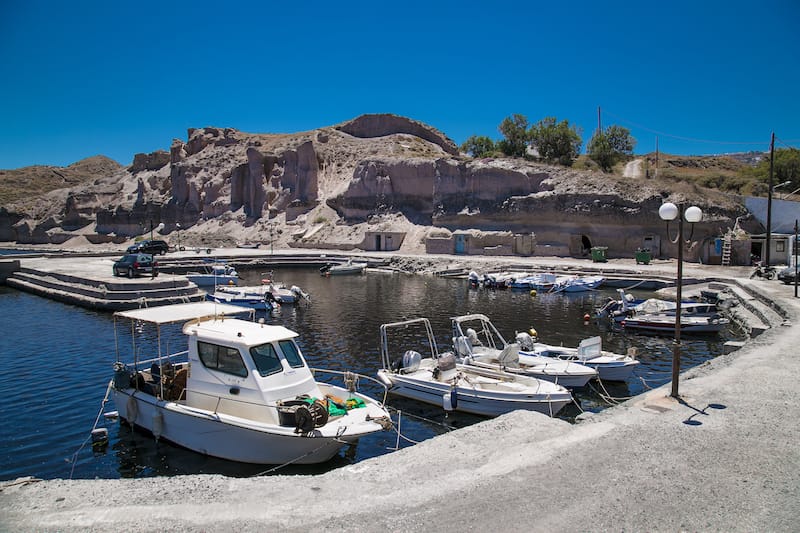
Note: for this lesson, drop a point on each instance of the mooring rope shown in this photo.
(74, 458)
(605, 395)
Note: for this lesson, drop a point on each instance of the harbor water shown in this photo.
(56, 362)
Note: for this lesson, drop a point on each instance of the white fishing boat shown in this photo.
(239, 390)
(610, 366)
(665, 323)
(477, 342)
(438, 379)
(340, 269)
(213, 275)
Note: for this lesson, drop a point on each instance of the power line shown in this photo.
(785, 142)
(689, 139)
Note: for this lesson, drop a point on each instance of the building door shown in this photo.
(461, 244)
(378, 243)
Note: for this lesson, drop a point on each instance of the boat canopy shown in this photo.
(169, 314)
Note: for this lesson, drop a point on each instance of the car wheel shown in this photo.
(130, 273)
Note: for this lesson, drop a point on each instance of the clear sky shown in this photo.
(83, 78)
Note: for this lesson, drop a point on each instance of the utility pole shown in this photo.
(769, 196)
(599, 123)
(656, 170)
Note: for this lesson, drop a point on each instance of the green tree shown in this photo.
(478, 146)
(556, 141)
(600, 151)
(620, 139)
(786, 168)
(515, 131)
(608, 147)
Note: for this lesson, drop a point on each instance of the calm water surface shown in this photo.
(56, 362)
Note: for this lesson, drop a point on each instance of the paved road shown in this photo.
(724, 458)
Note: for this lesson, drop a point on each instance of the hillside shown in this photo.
(329, 187)
(36, 180)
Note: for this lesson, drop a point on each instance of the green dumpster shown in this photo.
(599, 254)
(643, 256)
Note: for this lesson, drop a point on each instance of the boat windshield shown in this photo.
(222, 358)
(291, 353)
(266, 359)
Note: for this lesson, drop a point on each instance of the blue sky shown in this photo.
(96, 77)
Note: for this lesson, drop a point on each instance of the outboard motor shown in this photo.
(411, 360)
(474, 279)
(525, 341)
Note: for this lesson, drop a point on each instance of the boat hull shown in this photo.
(614, 371)
(668, 326)
(472, 401)
(228, 438)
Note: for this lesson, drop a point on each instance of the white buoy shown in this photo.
(447, 402)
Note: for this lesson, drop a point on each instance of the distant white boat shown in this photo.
(211, 276)
(627, 307)
(238, 296)
(271, 291)
(339, 269)
(665, 323)
(577, 283)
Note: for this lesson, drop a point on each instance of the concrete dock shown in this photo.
(723, 457)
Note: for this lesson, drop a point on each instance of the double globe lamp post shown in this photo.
(669, 211)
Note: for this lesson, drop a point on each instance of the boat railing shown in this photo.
(351, 379)
(171, 358)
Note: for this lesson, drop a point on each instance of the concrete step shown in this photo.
(103, 294)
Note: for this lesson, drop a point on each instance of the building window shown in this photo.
(780, 246)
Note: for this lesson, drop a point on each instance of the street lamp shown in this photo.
(669, 211)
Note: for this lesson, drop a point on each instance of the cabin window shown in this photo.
(266, 359)
(221, 358)
(292, 354)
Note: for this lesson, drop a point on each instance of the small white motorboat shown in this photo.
(439, 380)
(339, 269)
(627, 306)
(478, 343)
(577, 283)
(665, 323)
(239, 390)
(239, 296)
(610, 366)
(270, 291)
(217, 274)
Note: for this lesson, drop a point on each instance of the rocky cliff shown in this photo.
(374, 172)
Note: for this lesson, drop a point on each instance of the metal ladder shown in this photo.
(726, 249)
